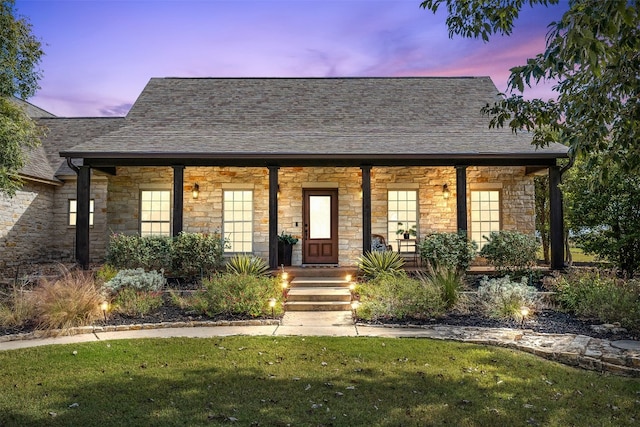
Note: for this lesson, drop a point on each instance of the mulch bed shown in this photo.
(545, 321)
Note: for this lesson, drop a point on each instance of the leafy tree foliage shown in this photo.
(605, 217)
(593, 55)
(20, 54)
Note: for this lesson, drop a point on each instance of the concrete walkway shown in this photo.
(618, 357)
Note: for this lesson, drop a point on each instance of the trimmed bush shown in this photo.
(197, 254)
(510, 251)
(601, 296)
(240, 295)
(503, 298)
(188, 255)
(373, 264)
(448, 249)
(398, 297)
(137, 279)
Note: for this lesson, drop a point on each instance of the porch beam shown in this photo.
(178, 199)
(83, 194)
(366, 208)
(461, 197)
(556, 221)
(273, 217)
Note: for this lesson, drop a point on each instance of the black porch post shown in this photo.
(178, 200)
(366, 208)
(556, 221)
(83, 190)
(461, 197)
(273, 217)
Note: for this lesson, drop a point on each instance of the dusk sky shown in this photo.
(99, 54)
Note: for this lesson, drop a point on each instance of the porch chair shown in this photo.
(379, 244)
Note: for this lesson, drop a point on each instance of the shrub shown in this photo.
(510, 250)
(372, 264)
(138, 280)
(196, 254)
(600, 296)
(16, 307)
(245, 295)
(188, 255)
(398, 297)
(106, 273)
(133, 303)
(247, 265)
(69, 301)
(448, 249)
(448, 279)
(503, 298)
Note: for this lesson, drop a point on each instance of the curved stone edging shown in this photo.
(574, 350)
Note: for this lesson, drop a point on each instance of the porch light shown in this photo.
(348, 278)
(195, 191)
(445, 192)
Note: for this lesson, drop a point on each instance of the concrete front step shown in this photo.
(317, 282)
(317, 306)
(314, 294)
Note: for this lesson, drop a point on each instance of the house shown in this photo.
(332, 160)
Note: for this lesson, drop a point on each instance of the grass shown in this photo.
(311, 381)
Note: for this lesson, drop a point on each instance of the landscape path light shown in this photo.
(524, 312)
(354, 307)
(104, 306)
(272, 304)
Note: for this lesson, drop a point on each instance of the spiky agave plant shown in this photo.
(372, 264)
(247, 265)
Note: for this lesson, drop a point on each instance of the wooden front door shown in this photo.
(320, 239)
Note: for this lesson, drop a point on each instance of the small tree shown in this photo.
(20, 54)
(604, 215)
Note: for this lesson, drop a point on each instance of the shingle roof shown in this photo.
(318, 117)
(64, 133)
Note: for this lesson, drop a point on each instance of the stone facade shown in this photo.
(204, 214)
(26, 224)
(34, 225)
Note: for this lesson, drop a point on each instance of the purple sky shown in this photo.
(100, 54)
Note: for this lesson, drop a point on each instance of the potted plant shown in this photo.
(406, 232)
(285, 248)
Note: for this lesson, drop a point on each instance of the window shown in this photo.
(155, 213)
(73, 212)
(485, 215)
(237, 220)
(402, 208)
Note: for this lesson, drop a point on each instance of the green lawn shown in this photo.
(312, 381)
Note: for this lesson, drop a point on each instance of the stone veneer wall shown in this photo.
(26, 224)
(205, 213)
(64, 236)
